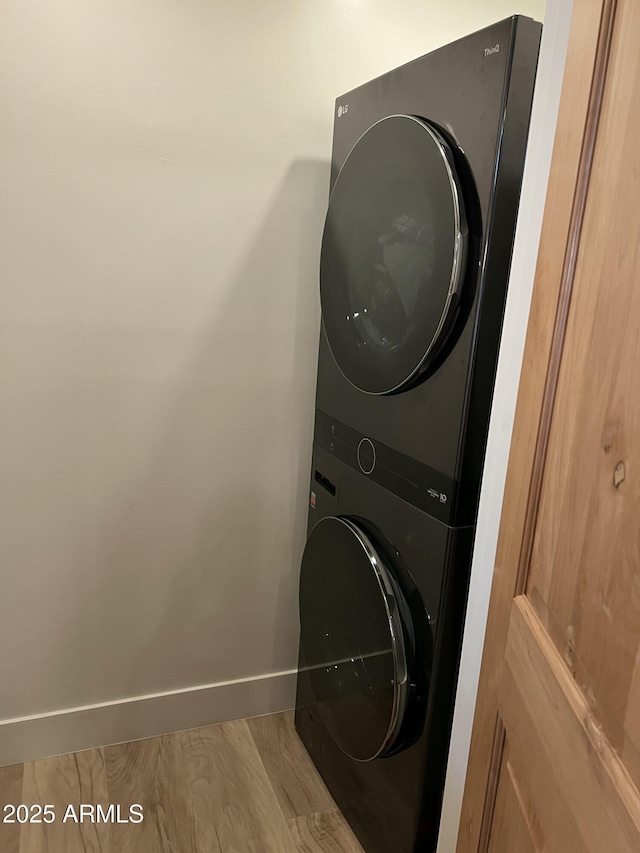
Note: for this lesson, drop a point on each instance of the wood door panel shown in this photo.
(585, 571)
(528, 762)
(559, 230)
(583, 796)
(557, 729)
(631, 750)
(515, 827)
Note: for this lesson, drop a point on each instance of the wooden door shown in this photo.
(555, 753)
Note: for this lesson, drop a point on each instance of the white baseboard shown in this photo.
(43, 735)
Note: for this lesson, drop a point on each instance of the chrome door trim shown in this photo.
(387, 589)
(460, 234)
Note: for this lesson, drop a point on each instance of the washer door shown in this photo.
(353, 639)
(393, 254)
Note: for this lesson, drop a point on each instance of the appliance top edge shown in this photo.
(512, 20)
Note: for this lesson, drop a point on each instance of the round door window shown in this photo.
(352, 639)
(393, 254)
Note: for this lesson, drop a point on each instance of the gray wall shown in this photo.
(164, 172)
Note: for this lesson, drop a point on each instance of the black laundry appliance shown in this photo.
(426, 173)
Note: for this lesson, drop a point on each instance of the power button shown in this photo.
(366, 455)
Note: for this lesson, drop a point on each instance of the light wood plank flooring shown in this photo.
(241, 787)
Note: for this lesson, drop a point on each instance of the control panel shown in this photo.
(420, 485)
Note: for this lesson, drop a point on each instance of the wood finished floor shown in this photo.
(242, 787)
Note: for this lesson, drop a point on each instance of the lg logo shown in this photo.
(343, 110)
(489, 50)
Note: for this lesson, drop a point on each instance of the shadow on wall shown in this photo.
(200, 582)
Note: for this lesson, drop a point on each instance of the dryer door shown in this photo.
(393, 254)
(353, 640)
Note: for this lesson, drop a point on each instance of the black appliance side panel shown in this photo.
(517, 109)
(444, 679)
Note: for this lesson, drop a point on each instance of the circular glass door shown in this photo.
(393, 254)
(352, 639)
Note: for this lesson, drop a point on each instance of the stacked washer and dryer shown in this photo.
(426, 172)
